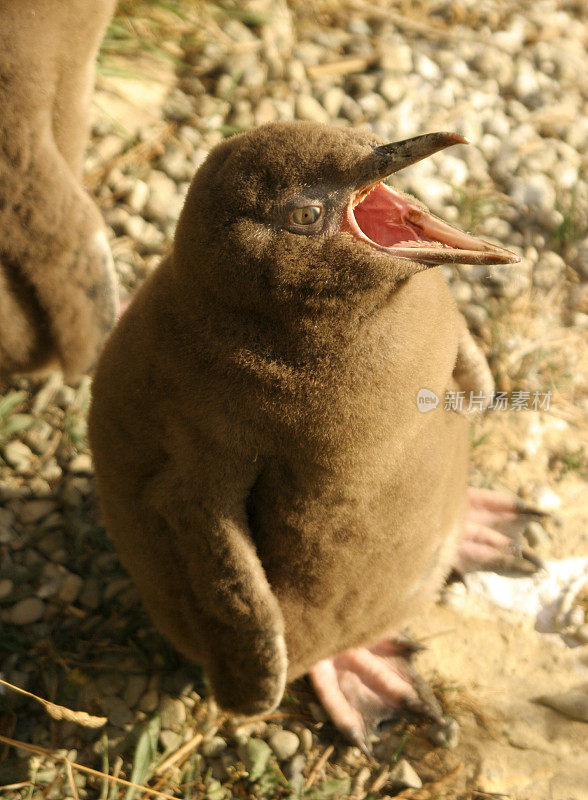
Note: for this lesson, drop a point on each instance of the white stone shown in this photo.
(284, 744)
(18, 455)
(27, 611)
(308, 108)
(403, 775)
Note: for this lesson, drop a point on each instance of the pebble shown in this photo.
(35, 510)
(170, 740)
(70, 588)
(150, 701)
(18, 455)
(212, 748)
(144, 233)
(6, 587)
(81, 464)
(546, 499)
(117, 711)
(162, 202)
(26, 611)
(172, 712)
(284, 744)
(403, 776)
(138, 197)
(308, 108)
(294, 769)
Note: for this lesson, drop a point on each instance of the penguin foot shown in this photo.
(492, 537)
(363, 687)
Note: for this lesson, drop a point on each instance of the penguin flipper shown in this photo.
(471, 372)
(215, 604)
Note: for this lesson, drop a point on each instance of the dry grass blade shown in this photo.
(319, 764)
(71, 780)
(175, 759)
(379, 780)
(343, 66)
(60, 712)
(42, 751)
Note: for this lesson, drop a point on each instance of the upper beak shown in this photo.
(389, 158)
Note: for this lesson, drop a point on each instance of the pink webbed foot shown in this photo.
(492, 536)
(365, 686)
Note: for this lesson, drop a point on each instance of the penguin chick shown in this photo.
(57, 282)
(263, 468)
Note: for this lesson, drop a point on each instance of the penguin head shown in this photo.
(298, 210)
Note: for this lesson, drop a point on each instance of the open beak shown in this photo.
(399, 225)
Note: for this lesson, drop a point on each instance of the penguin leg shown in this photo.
(492, 537)
(364, 686)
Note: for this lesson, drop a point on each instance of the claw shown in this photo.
(530, 556)
(359, 739)
(521, 507)
(405, 644)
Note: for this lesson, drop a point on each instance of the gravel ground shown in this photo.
(512, 78)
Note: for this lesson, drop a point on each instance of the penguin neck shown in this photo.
(286, 327)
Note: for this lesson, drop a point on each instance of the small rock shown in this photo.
(255, 754)
(149, 701)
(333, 100)
(6, 587)
(546, 499)
(138, 196)
(294, 769)
(117, 711)
(18, 455)
(308, 108)
(170, 740)
(90, 596)
(392, 89)
(81, 464)
(265, 112)
(396, 59)
(549, 268)
(212, 748)
(144, 233)
(175, 163)
(35, 510)
(26, 611)
(403, 776)
(173, 713)
(70, 588)
(426, 68)
(284, 744)
(135, 688)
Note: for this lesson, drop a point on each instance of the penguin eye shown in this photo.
(305, 215)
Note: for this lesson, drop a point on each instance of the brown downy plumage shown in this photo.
(263, 468)
(57, 283)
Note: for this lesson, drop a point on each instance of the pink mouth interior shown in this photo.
(398, 225)
(384, 218)
(388, 219)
